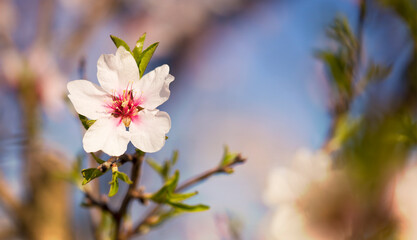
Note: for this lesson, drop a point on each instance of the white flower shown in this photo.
(123, 101)
(285, 185)
(286, 188)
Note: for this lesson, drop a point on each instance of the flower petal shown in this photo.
(148, 131)
(108, 135)
(154, 87)
(88, 99)
(114, 72)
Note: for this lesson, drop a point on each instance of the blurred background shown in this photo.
(248, 73)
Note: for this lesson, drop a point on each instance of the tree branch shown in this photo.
(147, 220)
(137, 161)
(102, 204)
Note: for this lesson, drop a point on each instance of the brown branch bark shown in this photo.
(99, 203)
(137, 161)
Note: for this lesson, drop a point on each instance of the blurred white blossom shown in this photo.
(39, 66)
(405, 207)
(287, 189)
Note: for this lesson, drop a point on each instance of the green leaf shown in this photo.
(174, 158)
(98, 160)
(119, 42)
(140, 42)
(179, 197)
(145, 57)
(189, 208)
(122, 176)
(85, 121)
(228, 157)
(89, 174)
(166, 169)
(114, 184)
(155, 166)
(138, 48)
(173, 212)
(339, 73)
(163, 194)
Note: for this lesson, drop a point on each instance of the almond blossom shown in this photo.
(285, 192)
(123, 106)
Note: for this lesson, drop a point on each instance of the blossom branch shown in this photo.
(187, 184)
(120, 160)
(99, 203)
(137, 161)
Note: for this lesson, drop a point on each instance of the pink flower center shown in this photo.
(125, 106)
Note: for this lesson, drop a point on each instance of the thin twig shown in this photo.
(187, 184)
(102, 204)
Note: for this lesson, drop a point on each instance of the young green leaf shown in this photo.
(166, 169)
(189, 208)
(119, 42)
(85, 121)
(98, 160)
(89, 174)
(155, 166)
(163, 194)
(140, 42)
(179, 197)
(145, 57)
(138, 48)
(174, 158)
(122, 176)
(172, 212)
(114, 184)
(228, 157)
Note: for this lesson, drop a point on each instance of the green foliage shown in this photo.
(139, 44)
(174, 157)
(408, 133)
(179, 197)
(373, 153)
(97, 159)
(228, 157)
(188, 208)
(167, 195)
(340, 74)
(145, 57)
(85, 121)
(123, 176)
(114, 183)
(142, 58)
(345, 129)
(164, 194)
(343, 68)
(119, 42)
(164, 170)
(341, 62)
(179, 209)
(90, 174)
(155, 166)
